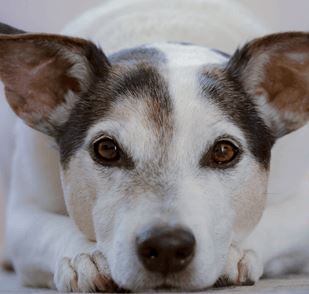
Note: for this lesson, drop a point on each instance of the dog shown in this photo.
(157, 163)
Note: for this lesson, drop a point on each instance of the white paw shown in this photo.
(243, 268)
(83, 273)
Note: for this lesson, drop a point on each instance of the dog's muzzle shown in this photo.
(165, 249)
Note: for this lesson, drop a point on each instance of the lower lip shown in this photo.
(165, 287)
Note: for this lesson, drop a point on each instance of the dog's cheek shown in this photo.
(78, 181)
(249, 199)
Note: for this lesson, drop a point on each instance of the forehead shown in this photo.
(154, 92)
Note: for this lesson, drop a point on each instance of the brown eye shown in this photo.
(106, 149)
(224, 152)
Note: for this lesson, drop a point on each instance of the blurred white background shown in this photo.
(52, 15)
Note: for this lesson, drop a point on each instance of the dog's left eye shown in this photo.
(222, 154)
(106, 149)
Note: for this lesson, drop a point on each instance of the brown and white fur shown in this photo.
(73, 222)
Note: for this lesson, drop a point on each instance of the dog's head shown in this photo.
(164, 149)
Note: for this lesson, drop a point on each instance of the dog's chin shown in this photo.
(164, 286)
(157, 289)
(184, 282)
(171, 288)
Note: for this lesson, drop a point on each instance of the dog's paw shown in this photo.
(83, 273)
(242, 268)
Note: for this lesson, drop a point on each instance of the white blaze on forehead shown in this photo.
(197, 120)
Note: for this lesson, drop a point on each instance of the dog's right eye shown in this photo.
(223, 154)
(106, 151)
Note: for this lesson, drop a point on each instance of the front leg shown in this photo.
(41, 238)
(48, 250)
(243, 268)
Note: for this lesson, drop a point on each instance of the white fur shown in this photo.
(43, 239)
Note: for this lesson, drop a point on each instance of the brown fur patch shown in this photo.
(229, 95)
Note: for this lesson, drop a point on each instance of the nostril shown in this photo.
(148, 252)
(165, 249)
(183, 253)
(153, 253)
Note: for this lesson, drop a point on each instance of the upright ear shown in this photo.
(274, 70)
(45, 75)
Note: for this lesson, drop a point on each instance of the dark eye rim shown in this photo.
(226, 142)
(207, 158)
(105, 139)
(123, 159)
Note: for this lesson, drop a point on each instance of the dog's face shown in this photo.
(164, 149)
(166, 152)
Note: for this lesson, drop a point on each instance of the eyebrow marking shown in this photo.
(130, 81)
(235, 103)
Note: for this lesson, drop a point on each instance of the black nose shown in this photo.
(165, 250)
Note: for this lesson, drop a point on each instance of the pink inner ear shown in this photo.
(36, 84)
(274, 70)
(286, 81)
(39, 70)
